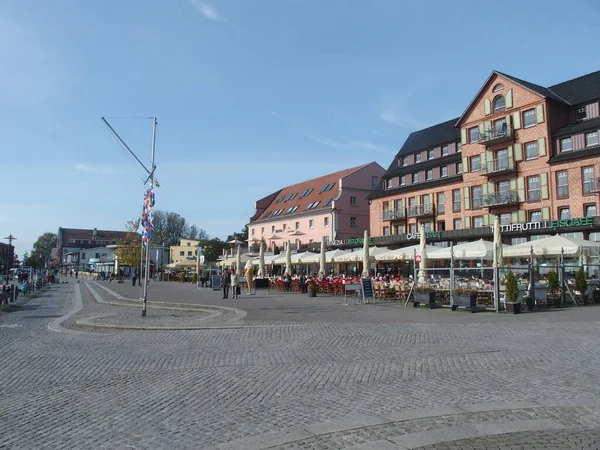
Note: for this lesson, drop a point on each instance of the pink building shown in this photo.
(334, 206)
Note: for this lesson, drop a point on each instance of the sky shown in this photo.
(250, 95)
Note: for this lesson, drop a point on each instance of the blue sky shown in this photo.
(250, 95)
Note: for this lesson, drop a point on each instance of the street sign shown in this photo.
(201, 259)
(418, 259)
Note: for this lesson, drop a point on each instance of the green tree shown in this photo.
(240, 236)
(41, 255)
(129, 250)
(169, 228)
(212, 248)
(511, 288)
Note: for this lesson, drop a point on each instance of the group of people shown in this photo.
(230, 278)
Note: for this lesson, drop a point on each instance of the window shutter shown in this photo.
(517, 120)
(508, 99)
(487, 125)
(521, 189)
(465, 162)
(542, 146)
(486, 219)
(508, 120)
(515, 217)
(489, 158)
(509, 151)
(467, 222)
(521, 215)
(467, 200)
(540, 113)
(546, 213)
(490, 186)
(482, 160)
(484, 189)
(463, 136)
(481, 129)
(431, 199)
(544, 185)
(487, 106)
(518, 152)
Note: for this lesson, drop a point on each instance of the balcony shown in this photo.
(393, 214)
(500, 199)
(498, 167)
(496, 135)
(421, 211)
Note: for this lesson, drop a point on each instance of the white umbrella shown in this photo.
(288, 259)
(365, 257)
(238, 261)
(471, 250)
(550, 246)
(330, 256)
(498, 241)
(235, 242)
(261, 260)
(350, 256)
(423, 253)
(404, 253)
(322, 261)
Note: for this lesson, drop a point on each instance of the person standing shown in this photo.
(133, 278)
(235, 284)
(225, 280)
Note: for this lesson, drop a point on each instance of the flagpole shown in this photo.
(151, 179)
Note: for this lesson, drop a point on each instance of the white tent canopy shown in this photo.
(297, 258)
(550, 246)
(470, 250)
(404, 253)
(330, 256)
(358, 256)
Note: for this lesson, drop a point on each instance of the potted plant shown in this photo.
(530, 302)
(581, 285)
(466, 297)
(553, 298)
(311, 287)
(511, 291)
(181, 277)
(195, 277)
(424, 293)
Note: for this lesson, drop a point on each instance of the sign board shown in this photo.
(216, 282)
(367, 288)
(261, 283)
(201, 259)
(418, 259)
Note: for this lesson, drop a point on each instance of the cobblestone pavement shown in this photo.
(292, 374)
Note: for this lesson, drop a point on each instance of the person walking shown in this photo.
(133, 278)
(225, 280)
(235, 284)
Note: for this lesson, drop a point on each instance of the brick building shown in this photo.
(529, 154)
(71, 240)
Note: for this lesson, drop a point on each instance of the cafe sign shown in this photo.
(428, 235)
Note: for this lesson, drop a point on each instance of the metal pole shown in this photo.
(10, 238)
(451, 273)
(151, 179)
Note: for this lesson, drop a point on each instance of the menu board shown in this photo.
(367, 288)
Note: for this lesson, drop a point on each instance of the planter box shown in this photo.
(427, 298)
(312, 293)
(553, 300)
(466, 301)
(513, 308)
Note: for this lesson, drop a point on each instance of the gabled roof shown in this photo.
(428, 138)
(544, 92)
(577, 127)
(318, 194)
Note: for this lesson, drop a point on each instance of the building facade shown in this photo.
(186, 250)
(73, 240)
(526, 153)
(334, 206)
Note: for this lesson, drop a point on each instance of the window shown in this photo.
(441, 225)
(501, 159)
(291, 196)
(429, 174)
(308, 191)
(267, 215)
(535, 216)
(531, 150)
(297, 226)
(505, 218)
(591, 139)
(441, 207)
(412, 228)
(476, 198)
(473, 134)
(292, 209)
(402, 180)
(456, 200)
(459, 167)
(427, 227)
(588, 179)
(327, 187)
(311, 224)
(328, 203)
(581, 113)
(273, 229)
(458, 147)
(444, 171)
(353, 222)
(389, 184)
(405, 161)
(477, 221)
(430, 154)
(533, 188)
(562, 184)
(280, 199)
(498, 103)
(566, 144)
(374, 181)
(326, 222)
(253, 230)
(353, 201)
(188, 244)
(415, 177)
(590, 210)
(529, 118)
(457, 224)
(498, 87)
(563, 213)
(417, 157)
(262, 231)
(475, 163)
(313, 205)
(386, 231)
(276, 213)
(182, 253)
(444, 150)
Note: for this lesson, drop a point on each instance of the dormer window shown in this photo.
(405, 161)
(498, 103)
(417, 157)
(389, 184)
(498, 87)
(581, 113)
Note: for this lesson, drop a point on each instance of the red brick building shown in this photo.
(524, 152)
(74, 239)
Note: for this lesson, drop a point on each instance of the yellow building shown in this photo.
(186, 250)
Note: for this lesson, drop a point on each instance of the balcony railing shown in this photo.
(393, 214)
(498, 166)
(500, 199)
(496, 135)
(420, 210)
(591, 187)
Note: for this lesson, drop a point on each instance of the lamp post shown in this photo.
(10, 255)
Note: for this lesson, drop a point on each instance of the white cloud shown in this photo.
(85, 168)
(351, 145)
(207, 10)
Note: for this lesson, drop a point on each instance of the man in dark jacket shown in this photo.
(225, 282)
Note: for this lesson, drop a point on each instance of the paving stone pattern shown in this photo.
(290, 365)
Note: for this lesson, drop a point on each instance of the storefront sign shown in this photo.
(428, 235)
(562, 223)
(354, 241)
(571, 222)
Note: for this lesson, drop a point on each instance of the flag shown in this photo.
(146, 226)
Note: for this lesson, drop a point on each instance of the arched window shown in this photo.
(498, 103)
(498, 87)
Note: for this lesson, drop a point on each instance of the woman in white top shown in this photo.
(235, 283)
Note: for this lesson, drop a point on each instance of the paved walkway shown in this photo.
(82, 369)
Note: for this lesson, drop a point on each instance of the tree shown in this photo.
(241, 236)
(212, 248)
(169, 228)
(40, 257)
(511, 289)
(129, 250)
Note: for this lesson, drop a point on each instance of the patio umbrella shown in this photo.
(235, 242)
(497, 241)
(238, 261)
(322, 261)
(330, 256)
(261, 260)
(288, 259)
(423, 253)
(550, 246)
(365, 256)
(479, 249)
(404, 253)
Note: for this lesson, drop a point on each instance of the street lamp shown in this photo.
(9, 259)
